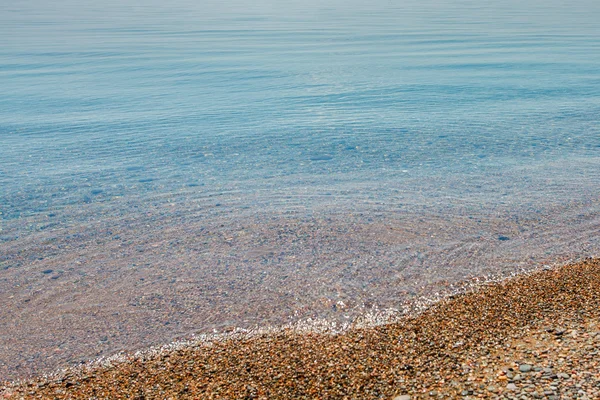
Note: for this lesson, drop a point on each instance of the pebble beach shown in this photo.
(533, 336)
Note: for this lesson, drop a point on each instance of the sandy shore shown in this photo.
(533, 336)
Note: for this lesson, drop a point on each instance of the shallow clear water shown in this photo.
(473, 125)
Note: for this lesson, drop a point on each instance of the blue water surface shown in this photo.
(119, 99)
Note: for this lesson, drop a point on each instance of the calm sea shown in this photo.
(270, 147)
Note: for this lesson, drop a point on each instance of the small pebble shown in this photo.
(525, 368)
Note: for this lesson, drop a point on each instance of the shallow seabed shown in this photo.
(96, 283)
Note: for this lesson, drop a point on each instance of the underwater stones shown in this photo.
(133, 168)
(321, 157)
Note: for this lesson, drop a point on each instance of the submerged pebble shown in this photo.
(321, 157)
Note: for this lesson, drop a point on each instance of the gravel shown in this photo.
(500, 342)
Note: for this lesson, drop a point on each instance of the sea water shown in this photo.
(191, 166)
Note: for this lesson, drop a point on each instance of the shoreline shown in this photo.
(445, 350)
(91, 291)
